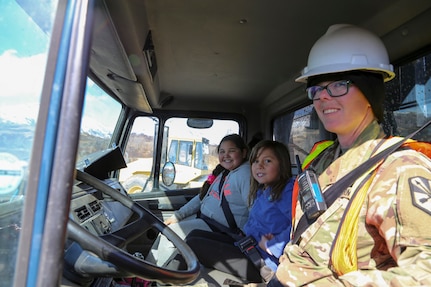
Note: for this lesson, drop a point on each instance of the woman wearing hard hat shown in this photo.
(376, 229)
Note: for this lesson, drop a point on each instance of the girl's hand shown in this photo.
(263, 242)
(269, 236)
(170, 220)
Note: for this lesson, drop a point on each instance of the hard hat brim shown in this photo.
(386, 71)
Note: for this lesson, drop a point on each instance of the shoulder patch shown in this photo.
(420, 189)
(413, 205)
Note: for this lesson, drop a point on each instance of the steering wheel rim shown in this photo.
(108, 248)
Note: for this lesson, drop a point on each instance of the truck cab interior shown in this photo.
(131, 100)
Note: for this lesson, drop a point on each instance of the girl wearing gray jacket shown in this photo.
(230, 181)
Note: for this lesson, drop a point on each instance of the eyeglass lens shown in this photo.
(334, 89)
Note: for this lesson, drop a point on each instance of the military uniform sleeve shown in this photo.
(297, 269)
(399, 216)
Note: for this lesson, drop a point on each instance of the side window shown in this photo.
(408, 99)
(299, 130)
(26, 31)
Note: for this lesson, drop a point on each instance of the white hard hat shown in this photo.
(344, 48)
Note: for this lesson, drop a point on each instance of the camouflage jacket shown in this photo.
(394, 235)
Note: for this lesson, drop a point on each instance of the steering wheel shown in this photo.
(113, 261)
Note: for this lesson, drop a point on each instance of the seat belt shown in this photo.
(246, 244)
(228, 214)
(226, 209)
(233, 229)
(335, 190)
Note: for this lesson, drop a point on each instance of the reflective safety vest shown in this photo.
(315, 151)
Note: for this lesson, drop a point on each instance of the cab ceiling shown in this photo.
(241, 51)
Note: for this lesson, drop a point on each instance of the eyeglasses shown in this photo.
(334, 89)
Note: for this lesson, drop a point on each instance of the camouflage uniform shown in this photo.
(394, 235)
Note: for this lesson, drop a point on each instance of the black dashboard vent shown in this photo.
(82, 213)
(95, 206)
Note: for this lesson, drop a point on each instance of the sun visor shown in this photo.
(110, 64)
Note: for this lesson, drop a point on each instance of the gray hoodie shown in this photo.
(236, 188)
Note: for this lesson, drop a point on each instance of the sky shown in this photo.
(19, 31)
(23, 47)
(24, 42)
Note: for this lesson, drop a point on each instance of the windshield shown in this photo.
(99, 119)
(191, 150)
(25, 31)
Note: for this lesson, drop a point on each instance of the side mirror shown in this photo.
(168, 173)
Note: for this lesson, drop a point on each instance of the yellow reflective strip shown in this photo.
(344, 257)
(314, 153)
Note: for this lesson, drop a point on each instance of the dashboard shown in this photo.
(97, 212)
